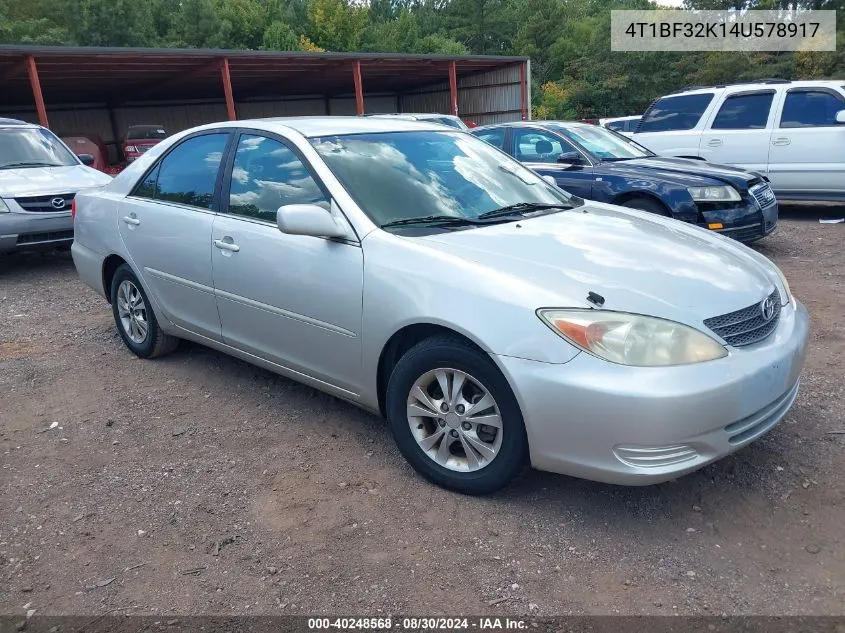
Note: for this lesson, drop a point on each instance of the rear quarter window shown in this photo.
(675, 113)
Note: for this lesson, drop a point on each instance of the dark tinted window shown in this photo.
(675, 113)
(744, 112)
(267, 175)
(187, 175)
(494, 137)
(147, 187)
(146, 132)
(811, 109)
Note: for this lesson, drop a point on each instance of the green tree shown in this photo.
(336, 25)
(280, 37)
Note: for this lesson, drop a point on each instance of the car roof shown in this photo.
(15, 123)
(762, 84)
(541, 124)
(420, 116)
(313, 126)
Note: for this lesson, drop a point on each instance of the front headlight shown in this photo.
(632, 339)
(785, 283)
(3, 207)
(714, 194)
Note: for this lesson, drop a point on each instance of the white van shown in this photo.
(793, 132)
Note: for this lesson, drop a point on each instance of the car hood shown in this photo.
(35, 181)
(638, 262)
(685, 171)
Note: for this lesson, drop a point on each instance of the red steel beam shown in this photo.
(453, 88)
(36, 91)
(359, 89)
(227, 89)
(523, 89)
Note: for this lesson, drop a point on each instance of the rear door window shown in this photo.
(188, 173)
(744, 112)
(494, 137)
(811, 108)
(675, 113)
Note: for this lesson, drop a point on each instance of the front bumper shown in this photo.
(626, 425)
(24, 231)
(747, 224)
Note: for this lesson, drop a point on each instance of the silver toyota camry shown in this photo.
(420, 273)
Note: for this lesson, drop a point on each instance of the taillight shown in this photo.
(73, 209)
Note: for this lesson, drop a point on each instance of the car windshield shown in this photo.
(396, 176)
(603, 143)
(32, 147)
(146, 133)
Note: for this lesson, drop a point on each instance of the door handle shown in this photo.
(131, 220)
(714, 142)
(781, 140)
(223, 245)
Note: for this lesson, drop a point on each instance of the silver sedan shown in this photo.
(491, 318)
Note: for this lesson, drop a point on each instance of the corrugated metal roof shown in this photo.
(116, 76)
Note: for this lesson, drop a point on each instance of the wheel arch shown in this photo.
(404, 339)
(631, 195)
(110, 266)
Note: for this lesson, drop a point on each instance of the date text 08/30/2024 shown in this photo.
(416, 624)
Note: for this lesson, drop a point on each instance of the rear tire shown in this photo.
(472, 439)
(647, 204)
(134, 317)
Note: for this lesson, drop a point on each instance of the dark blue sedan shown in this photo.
(596, 163)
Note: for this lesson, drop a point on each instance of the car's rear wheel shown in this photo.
(134, 317)
(455, 418)
(646, 204)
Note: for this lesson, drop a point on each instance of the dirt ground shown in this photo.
(198, 484)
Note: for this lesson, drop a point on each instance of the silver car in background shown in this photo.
(424, 275)
(39, 177)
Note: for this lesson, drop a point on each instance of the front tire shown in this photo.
(454, 417)
(134, 317)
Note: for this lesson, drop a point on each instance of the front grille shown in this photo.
(748, 325)
(37, 238)
(44, 204)
(142, 148)
(763, 194)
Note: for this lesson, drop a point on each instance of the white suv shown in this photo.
(793, 132)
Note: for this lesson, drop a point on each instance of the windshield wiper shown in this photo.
(442, 220)
(25, 164)
(521, 208)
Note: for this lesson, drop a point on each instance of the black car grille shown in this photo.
(44, 204)
(746, 233)
(748, 325)
(52, 236)
(763, 194)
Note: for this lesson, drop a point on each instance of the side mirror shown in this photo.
(571, 158)
(309, 219)
(87, 159)
(840, 116)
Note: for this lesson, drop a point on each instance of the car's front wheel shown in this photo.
(135, 319)
(455, 418)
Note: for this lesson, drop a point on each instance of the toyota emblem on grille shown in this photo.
(768, 309)
(58, 203)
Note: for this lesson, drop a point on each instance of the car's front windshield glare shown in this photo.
(401, 175)
(32, 147)
(603, 143)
